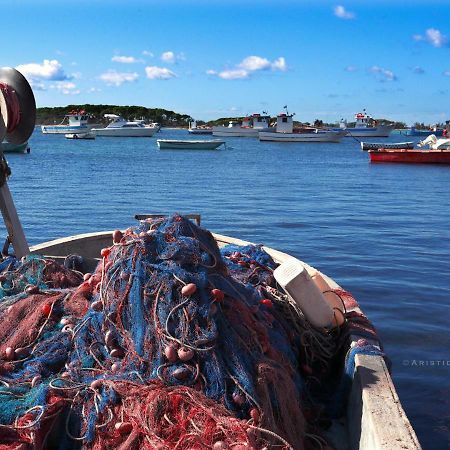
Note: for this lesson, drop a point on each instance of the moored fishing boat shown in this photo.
(250, 126)
(195, 129)
(73, 122)
(366, 126)
(388, 145)
(189, 144)
(410, 156)
(375, 418)
(413, 131)
(285, 132)
(437, 153)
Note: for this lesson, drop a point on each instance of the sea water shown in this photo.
(382, 231)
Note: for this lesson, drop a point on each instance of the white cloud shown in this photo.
(279, 64)
(252, 63)
(66, 87)
(342, 13)
(125, 59)
(147, 53)
(255, 63)
(433, 37)
(233, 74)
(383, 74)
(171, 58)
(48, 70)
(159, 73)
(447, 73)
(249, 65)
(351, 69)
(168, 57)
(113, 78)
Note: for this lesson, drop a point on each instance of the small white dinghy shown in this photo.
(80, 135)
(387, 145)
(189, 144)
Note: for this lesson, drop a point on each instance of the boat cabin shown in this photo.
(260, 122)
(77, 118)
(120, 122)
(285, 123)
(363, 120)
(234, 124)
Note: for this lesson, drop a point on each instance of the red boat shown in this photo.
(410, 156)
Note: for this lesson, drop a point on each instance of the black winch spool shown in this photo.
(27, 105)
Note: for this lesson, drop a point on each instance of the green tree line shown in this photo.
(52, 115)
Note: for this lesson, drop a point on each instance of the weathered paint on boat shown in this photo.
(410, 156)
(375, 417)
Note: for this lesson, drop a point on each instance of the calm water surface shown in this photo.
(380, 230)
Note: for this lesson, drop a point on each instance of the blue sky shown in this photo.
(209, 59)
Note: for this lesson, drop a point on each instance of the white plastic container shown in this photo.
(293, 277)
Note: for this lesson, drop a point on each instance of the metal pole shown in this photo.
(12, 223)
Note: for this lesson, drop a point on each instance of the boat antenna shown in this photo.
(17, 121)
(286, 108)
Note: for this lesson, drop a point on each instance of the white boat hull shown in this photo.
(381, 131)
(199, 131)
(189, 145)
(322, 136)
(239, 131)
(125, 132)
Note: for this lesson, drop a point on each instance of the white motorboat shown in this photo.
(119, 127)
(88, 135)
(366, 126)
(194, 129)
(155, 125)
(285, 132)
(74, 122)
(189, 144)
(249, 127)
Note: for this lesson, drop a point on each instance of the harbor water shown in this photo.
(380, 230)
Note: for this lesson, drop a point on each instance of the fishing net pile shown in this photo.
(170, 344)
